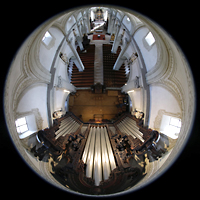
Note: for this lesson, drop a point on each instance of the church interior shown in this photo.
(99, 100)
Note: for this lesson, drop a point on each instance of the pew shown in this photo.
(112, 78)
(85, 78)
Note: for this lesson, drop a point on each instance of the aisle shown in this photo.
(98, 58)
(85, 78)
(98, 63)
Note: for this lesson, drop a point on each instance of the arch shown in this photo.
(150, 55)
(31, 78)
(49, 52)
(32, 62)
(79, 16)
(59, 27)
(136, 23)
(70, 22)
(59, 99)
(119, 15)
(34, 96)
(26, 89)
(127, 23)
(162, 97)
(61, 22)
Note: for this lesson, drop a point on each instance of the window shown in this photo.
(170, 126)
(47, 38)
(21, 125)
(105, 15)
(175, 124)
(150, 39)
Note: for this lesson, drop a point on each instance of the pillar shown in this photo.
(117, 40)
(120, 60)
(76, 58)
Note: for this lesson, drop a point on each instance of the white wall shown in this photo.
(168, 130)
(137, 99)
(129, 51)
(71, 21)
(119, 16)
(134, 71)
(79, 16)
(61, 70)
(32, 127)
(160, 98)
(46, 55)
(128, 24)
(31, 123)
(59, 99)
(35, 97)
(149, 56)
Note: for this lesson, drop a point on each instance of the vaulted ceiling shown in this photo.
(167, 86)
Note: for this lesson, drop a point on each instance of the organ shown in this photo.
(97, 158)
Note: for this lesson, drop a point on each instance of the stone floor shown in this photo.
(98, 61)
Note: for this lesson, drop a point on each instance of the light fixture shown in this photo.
(130, 91)
(66, 91)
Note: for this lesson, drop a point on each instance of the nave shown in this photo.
(51, 127)
(98, 61)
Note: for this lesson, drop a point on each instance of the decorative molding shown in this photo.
(169, 81)
(38, 118)
(163, 73)
(64, 85)
(33, 63)
(21, 86)
(31, 68)
(59, 85)
(175, 89)
(164, 62)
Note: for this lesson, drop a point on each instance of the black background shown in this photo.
(180, 20)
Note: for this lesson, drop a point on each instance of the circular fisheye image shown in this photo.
(99, 101)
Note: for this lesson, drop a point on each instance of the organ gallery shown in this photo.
(99, 100)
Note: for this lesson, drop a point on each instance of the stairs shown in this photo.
(112, 78)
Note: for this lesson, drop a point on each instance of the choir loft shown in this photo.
(99, 100)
